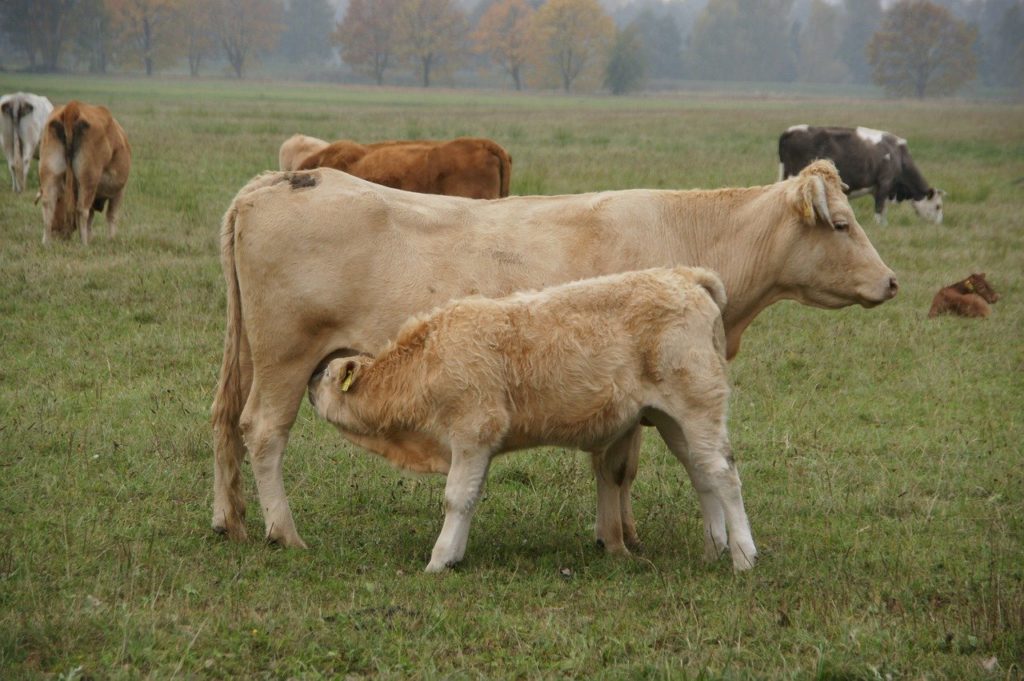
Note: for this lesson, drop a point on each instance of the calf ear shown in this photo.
(348, 375)
(814, 200)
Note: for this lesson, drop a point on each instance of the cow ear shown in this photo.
(814, 201)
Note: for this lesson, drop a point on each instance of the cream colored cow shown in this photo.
(320, 262)
(296, 148)
(576, 365)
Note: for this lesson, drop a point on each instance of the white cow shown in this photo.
(22, 117)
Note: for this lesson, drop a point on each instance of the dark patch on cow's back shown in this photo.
(303, 180)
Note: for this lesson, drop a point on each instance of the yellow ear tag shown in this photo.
(969, 285)
(347, 383)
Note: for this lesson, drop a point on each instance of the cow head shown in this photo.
(930, 207)
(831, 262)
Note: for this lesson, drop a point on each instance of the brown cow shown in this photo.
(296, 148)
(94, 146)
(968, 298)
(319, 262)
(575, 365)
(473, 167)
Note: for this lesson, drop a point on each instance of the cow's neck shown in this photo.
(745, 251)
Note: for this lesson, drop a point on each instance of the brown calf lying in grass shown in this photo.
(575, 365)
(968, 298)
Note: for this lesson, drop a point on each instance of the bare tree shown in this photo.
(921, 49)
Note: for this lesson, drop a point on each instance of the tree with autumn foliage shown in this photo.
(431, 35)
(246, 27)
(148, 29)
(504, 35)
(922, 49)
(366, 36)
(572, 42)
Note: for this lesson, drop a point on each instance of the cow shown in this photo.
(473, 167)
(22, 117)
(576, 365)
(869, 161)
(319, 263)
(296, 148)
(968, 297)
(84, 161)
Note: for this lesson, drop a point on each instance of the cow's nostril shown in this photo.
(894, 286)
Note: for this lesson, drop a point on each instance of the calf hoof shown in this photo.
(436, 567)
(743, 558)
(613, 549)
(234, 531)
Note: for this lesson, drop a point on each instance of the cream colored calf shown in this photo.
(577, 365)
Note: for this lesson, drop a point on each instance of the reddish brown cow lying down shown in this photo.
(576, 365)
(968, 298)
(473, 167)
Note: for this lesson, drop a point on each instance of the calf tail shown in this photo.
(712, 284)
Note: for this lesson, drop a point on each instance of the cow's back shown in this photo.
(365, 247)
(855, 159)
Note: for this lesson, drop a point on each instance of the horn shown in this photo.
(821, 200)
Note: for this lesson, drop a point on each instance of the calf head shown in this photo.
(976, 283)
(331, 388)
(930, 207)
(830, 262)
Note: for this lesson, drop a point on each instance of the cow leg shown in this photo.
(49, 198)
(615, 469)
(461, 493)
(701, 443)
(113, 209)
(265, 423)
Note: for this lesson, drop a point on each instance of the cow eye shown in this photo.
(842, 226)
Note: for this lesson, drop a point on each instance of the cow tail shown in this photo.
(70, 198)
(229, 449)
(504, 169)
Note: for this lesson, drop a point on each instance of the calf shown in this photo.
(22, 117)
(84, 162)
(869, 162)
(577, 365)
(968, 298)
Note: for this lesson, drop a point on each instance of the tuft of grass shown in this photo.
(880, 450)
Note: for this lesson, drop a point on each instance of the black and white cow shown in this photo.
(869, 162)
(22, 117)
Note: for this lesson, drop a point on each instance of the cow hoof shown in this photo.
(635, 546)
(436, 567)
(292, 542)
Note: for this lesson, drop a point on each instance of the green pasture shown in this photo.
(881, 451)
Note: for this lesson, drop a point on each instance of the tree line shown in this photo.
(909, 47)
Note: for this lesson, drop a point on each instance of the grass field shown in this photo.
(881, 451)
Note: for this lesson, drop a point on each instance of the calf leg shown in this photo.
(461, 493)
(700, 442)
(615, 469)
